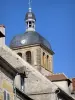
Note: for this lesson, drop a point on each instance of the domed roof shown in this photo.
(30, 15)
(29, 38)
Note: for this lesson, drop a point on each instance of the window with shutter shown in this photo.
(6, 95)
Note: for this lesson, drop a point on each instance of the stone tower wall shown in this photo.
(36, 61)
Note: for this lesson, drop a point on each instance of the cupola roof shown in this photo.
(30, 15)
(29, 38)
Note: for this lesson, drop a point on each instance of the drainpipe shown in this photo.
(57, 92)
(14, 89)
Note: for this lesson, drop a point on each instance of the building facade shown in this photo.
(8, 78)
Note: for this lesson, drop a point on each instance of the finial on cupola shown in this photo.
(30, 1)
(30, 19)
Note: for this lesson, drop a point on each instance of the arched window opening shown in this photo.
(33, 24)
(30, 24)
(20, 54)
(28, 57)
(47, 62)
(43, 59)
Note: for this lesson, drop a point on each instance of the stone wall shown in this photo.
(35, 55)
(2, 41)
(6, 84)
(63, 85)
(36, 52)
(46, 71)
(71, 89)
(35, 83)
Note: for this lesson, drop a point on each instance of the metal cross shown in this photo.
(30, 3)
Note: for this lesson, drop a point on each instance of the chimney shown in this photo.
(2, 35)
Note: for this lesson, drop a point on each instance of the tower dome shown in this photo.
(30, 15)
(33, 47)
(30, 37)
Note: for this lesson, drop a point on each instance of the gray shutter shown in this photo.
(8, 96)
(4, 95)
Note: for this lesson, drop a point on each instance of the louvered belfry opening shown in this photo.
(28, 57)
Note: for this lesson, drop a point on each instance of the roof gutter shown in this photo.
(63, 94)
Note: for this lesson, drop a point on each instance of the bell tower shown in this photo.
(30, 19)
(33, 47)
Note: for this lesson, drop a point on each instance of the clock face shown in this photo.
(23, 41)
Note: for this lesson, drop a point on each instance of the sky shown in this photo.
(55, 20)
